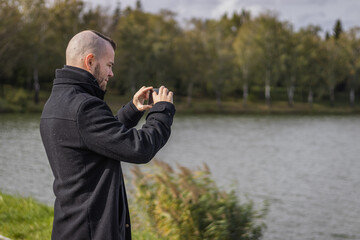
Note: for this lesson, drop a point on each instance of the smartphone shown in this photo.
(151, 100)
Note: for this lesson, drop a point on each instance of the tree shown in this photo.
(311, 59)
(35, 17)
(337, 66)
(145, 47)
(190, 59)
(290, 68)
(288, 61)
(269, 39)
(96, 19)
(218, 47)
(351, 45)
(138, 5)
(132, 49)
(10, 25)
(337, 29)
(65, 21)
(247, 56)
(114, 20)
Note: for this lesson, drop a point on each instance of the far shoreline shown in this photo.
(207, 106)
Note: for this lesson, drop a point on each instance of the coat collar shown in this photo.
(70, 75)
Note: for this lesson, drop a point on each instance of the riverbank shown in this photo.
(202, 106)
(205, 106)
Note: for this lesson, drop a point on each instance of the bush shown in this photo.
(188, 205)
(18, 98)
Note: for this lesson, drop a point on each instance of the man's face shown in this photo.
(103, 68)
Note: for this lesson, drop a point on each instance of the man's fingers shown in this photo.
(145, 107)
(164, 94)
(161, 89)
(144, 90)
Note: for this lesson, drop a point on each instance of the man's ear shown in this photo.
(89, 62)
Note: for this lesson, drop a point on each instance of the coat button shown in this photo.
(127, 225)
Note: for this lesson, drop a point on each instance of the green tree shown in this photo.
(288, 62)
(270, 41)
(133, 47)
(311, 60)
(351, 45)
(218, 47)
(114, 19)
(35, 15)
(190, 59)
(65, 21)
(337, 65)
(96, 19)
(247, 56)
(338, 29)
(161, 63)
(10, 26)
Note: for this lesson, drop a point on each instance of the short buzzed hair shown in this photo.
(85, 42)
(113, 44)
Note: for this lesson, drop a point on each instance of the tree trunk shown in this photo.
(245, 72)
(267, 89)
(132, 79)
(2, 91)
(218, 99)
(311, 98)
(332, 97)
(245, 94)
(352, 97)
(290, 92)
(189, 94)
(36, 86)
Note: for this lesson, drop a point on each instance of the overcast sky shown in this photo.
(298, 12)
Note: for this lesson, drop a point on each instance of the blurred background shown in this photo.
(266, 93)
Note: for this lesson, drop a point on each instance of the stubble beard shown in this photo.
(99, 79)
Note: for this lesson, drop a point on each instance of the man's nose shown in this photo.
(111, 74)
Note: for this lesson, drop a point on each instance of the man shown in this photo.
(85, 143)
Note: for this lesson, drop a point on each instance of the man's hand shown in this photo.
(164, 95)
(140, 97)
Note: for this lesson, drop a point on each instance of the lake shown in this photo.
(307, 167)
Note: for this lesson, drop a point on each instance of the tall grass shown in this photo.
(167, 205)
(188, 205)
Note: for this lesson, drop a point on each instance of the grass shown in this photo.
(23, 218)
(185, 204)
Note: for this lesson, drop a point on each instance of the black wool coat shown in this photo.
(85, 145)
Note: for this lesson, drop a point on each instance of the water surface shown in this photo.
(306, 166)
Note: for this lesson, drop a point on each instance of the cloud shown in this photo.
(298, 12)
(228, 6)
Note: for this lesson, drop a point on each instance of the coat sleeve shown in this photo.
(129, 115)
(102, 133)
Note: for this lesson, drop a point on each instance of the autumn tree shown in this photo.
(247, 57)
(311, 57)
